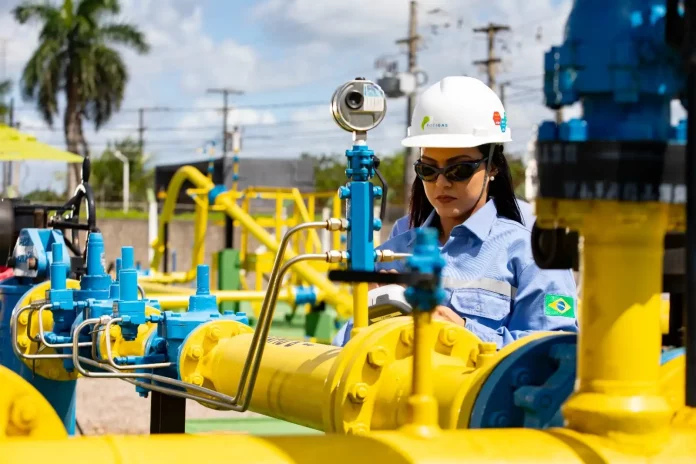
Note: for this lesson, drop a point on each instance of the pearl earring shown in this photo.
(492, 178)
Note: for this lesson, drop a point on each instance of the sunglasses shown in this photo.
(454, 173)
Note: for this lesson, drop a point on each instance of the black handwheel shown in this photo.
(83, 192)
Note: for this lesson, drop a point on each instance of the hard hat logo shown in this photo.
(424, 122)
(502, 122)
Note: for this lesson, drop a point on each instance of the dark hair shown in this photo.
(501, 190)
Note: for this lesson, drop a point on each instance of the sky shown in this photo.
(288, 57)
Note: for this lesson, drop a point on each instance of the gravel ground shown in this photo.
(111, 406)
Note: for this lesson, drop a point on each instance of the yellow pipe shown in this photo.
(360, 315)
(363, 386)
(422, 416)
(181, 301)
(617, 388)
(483, 446)
(313, 237)
(333, 295)
(193, 175)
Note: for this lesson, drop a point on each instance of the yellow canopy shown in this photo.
(18, 146)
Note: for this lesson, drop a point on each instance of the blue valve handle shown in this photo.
(424, 290)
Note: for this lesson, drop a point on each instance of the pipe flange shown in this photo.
(364, 386)
(24, 412)
(122, 347)
(197, 347)
(52, 369)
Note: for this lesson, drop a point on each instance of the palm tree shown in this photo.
(75, 57)
(5, 87)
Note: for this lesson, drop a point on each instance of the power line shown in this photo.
(298, 104)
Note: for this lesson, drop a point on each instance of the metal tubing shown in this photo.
(227, 402)
(110, 358)
(261, 333)
(42, 334)
(15, 344)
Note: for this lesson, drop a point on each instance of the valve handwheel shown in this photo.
(83, 192)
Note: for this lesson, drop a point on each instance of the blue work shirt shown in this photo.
(402, 224)
(491, 280)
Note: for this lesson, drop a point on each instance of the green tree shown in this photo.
(518, 175)
(330, 172)
(5, 87)
(75, 57)
(107, 173)
(42, 195)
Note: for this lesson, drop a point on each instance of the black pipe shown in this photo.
(690, 317)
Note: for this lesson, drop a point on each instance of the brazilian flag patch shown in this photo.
(559, 305)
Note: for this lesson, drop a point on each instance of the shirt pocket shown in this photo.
(488, 308)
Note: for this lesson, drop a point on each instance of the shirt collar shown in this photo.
(479, 223)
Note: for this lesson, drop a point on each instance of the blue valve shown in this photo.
(426, 259)
(60, 297)
(130, 308)
(202, 300)
(96, 283)
(360, 194)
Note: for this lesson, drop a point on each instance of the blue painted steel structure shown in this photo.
(35, 243)
(361, 195)
(620, 66)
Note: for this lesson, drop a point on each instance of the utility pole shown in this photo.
(141, 129)
(503, 85)
(141, 125)
(492, 30)
(226, 92)
(412, 41)
(229, 223)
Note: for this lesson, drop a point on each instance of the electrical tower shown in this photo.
(490, 63)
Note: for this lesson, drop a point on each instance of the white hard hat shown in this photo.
(458, 112)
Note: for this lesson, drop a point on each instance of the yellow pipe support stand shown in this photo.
(226, 202)
(332, 294)
(617, 393)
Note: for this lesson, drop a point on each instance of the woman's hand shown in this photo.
(444, 313)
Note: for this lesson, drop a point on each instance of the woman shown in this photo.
(463, 188)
